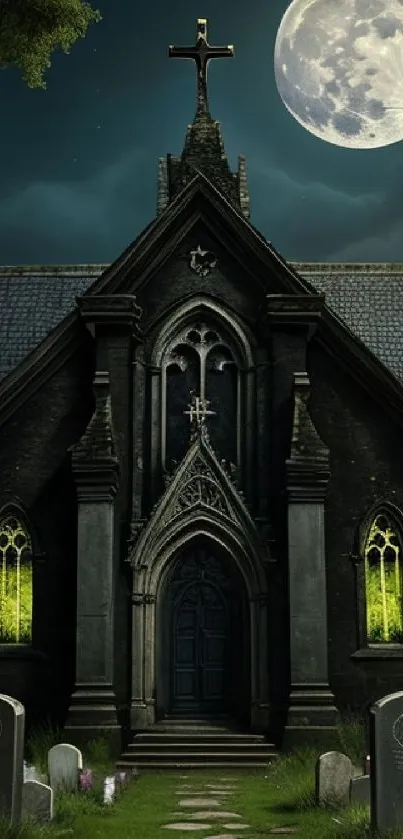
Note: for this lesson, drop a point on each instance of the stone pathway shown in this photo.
(205, 798)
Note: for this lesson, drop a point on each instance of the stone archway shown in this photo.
(153, 565)
(203, 636)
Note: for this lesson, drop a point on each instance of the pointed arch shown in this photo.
(184, 514)
(18, 545)
(226, 377)
(381, 558)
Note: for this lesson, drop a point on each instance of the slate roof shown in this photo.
(368, 298)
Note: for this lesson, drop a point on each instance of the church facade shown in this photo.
(201, 472)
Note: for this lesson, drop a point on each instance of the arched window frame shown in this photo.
(394, 517)
(14, 510)
(215, 316)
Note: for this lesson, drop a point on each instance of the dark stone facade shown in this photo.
(317, 427)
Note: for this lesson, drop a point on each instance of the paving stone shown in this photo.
(186, 826)
(214, 814)
(199, 802)
(222, 786)
(236, 826)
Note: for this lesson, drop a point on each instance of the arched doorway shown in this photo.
(204, 636)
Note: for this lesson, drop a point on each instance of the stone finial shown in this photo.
(308, 465)
(163, 185)
(243, 186)
(305, 441)
(98, 445)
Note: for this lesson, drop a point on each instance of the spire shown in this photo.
(201, 54)
(204, 148)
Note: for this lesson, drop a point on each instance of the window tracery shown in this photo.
(200, 360)
(383, 581)
(15, 581)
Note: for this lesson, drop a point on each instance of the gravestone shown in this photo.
(332, 779)
(12, 725)
(360, 791)
(109, 789)
(64, 764)
(37, 801)
(386, 752)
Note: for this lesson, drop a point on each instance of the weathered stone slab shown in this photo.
(12, 725)
(186, 826)
(64, 764)
(386, 752)
(332, 776)
(37, 801)
(214, 814)
(237, 826)
(360, 791)
(199, 802)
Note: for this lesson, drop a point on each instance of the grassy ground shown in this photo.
(281, 796)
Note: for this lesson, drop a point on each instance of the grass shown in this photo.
(282, 796)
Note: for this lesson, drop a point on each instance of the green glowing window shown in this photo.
(383, 582)
(15, 582)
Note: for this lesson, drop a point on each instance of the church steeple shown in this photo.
(204, 148)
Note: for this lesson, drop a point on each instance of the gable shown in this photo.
(361, 321)
(199, 488)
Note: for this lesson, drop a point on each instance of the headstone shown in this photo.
(109, 789)
(37, 801)
(64, 764)
(332, 776)
(386, 751)
(31, 773)
(12, 724)
(360, 791)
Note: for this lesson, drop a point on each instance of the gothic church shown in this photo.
(201, 472)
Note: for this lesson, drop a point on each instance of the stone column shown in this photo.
(312, 714)
(95, 467)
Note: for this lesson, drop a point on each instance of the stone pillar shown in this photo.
(312, 714)
(95, 467)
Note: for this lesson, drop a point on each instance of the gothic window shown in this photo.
(15, 581)
(383, 581)
(200, 361)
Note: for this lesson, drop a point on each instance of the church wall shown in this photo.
(366, 461)
(35, 470)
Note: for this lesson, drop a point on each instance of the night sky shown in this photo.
(78, 163)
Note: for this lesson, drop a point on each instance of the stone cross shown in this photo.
(198, 412)
(201, 54)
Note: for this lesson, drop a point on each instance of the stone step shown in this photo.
(189, 755)
(195, 737)
(172, 765)
(246, 748)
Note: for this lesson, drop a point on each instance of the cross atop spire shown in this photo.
(201, 54)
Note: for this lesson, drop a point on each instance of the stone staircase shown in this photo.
(196, 744)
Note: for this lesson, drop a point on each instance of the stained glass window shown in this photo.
(383, 582)
(15, 582)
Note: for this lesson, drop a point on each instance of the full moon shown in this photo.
(339, 70)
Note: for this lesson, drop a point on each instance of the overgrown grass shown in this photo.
(282, 796)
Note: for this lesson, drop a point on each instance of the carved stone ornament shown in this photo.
(202, 262)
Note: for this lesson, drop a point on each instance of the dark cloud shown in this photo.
(313, 200)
